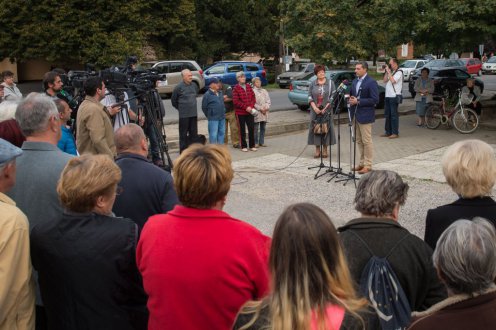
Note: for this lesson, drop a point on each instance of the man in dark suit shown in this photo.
(364, 97)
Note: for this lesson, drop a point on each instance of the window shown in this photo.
(176, 67)
(461, 74)
(162, 67)
(251, 67)
(189, 66)
(234, 68)
(218, 69)
(447, 73)
(420, 64)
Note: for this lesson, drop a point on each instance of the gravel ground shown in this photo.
(259, 196)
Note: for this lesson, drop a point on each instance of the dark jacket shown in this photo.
(147, 189)
(411, 260)
(184, 99)
(349, 322)
(459, 312)
(442, 217)
(87, 272)
(369, 97)
(213, 105)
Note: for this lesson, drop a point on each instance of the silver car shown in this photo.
(489, 66)
(408, 67)
(172, 70)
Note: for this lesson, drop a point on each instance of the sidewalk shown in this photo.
(283, 122)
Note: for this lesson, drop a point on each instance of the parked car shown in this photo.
(446, 81)
(440, 64)
(473, 65)
(172, 70)
(298, 90)
(489, 66)
(297, 71)
(408, 67)
(226, 72)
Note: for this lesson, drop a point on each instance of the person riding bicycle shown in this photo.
(471, 95)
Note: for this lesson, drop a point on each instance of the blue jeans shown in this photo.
(391, 115)
(216, 131)
(260, 132)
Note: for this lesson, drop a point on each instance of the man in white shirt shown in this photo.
(394, 84)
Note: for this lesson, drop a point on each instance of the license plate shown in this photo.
(283, 81)
(302, 88)
(161, 83)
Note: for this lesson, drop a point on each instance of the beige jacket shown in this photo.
(16, 280)
(418, 86)
(95, 134)
(262, 101)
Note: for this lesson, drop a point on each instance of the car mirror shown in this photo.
(207, 72)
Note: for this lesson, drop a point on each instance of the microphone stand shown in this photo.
(352, 123)
(338, 111)
(323, 137)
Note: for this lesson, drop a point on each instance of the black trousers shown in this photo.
(188, 131)
(248, 121)
(477, 107)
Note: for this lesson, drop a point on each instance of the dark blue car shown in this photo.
(226, 72)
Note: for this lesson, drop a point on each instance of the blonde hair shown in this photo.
(308, 272)
(86, 178)
(470, 168)
(203, 175)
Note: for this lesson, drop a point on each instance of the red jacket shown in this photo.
(199, 267)
(243, 99)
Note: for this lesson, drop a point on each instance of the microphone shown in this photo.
(343, 86)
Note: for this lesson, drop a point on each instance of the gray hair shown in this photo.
(34, 113)
(7, 110)
(378, 193)
(465, 256)
(240, 74)
(184, 71)
(255, 79)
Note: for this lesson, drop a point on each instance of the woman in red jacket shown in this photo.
(200, 265)
(244, 106)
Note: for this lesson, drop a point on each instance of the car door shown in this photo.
(251, 71)
(216, 70)
(462, 77)
(230, 75)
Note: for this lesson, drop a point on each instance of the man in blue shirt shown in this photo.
(215, 111)
(146, 189)
(66, 143)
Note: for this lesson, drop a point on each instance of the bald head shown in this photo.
(130, 138)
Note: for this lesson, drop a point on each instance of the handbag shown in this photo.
(320, 128)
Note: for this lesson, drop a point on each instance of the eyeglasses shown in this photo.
(119, 190)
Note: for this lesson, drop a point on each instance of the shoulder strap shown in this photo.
(370, 251)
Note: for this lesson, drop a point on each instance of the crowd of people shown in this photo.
(104, 239)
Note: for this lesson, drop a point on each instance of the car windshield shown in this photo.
(408, 64)
(298, 67)
(492, 60)
(435, 63)
(307, 76)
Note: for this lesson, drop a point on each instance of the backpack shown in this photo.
(383, 290)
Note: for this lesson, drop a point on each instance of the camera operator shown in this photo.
(52, 83)
(394, 84)
(95, 134)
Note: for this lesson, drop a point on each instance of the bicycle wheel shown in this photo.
(465, 120)
(433, 116)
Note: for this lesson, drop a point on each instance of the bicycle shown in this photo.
(463, 119)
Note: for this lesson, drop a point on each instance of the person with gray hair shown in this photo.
(40, 165)
(244, 107)
(465, 259)
(184, 100)
(379, 196)
(140, 199)
(16, 280)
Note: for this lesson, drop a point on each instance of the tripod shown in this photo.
(338, 111)
(322, 119)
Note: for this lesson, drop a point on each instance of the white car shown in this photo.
(489, 66)
(409, 66)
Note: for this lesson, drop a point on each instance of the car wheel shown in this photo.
(303, 107)
(445, 92)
